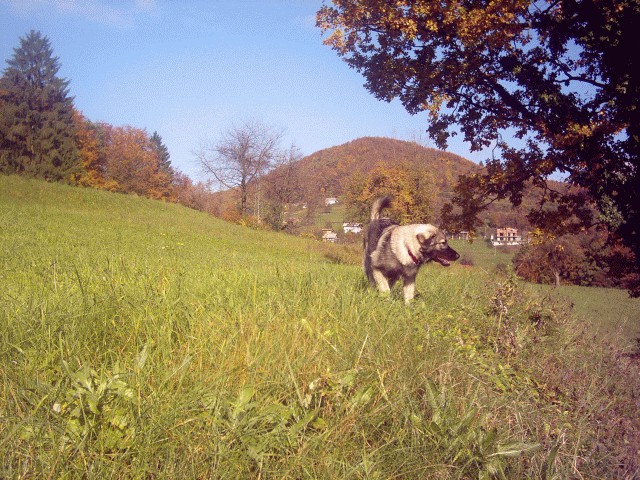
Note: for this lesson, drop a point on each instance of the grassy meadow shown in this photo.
(141, 339)
(609, 311)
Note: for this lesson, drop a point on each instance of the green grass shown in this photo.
(610, 311)
(140, 339)
(482, 255)
(333, 215)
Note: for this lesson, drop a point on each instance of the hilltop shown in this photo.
(328, 170)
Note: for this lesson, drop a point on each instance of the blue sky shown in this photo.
(191, 69)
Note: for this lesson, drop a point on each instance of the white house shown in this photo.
(329, 235)
(330, 201)
(351, 227)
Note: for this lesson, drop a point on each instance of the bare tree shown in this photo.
(282, 185)
(240, 156)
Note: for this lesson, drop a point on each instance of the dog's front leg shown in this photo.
(381, 281)
(409, 288)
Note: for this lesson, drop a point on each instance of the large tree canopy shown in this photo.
(551, 86)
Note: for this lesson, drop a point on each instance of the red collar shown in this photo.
(413, 257)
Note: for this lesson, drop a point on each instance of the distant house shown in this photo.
(506, 236)
(329, 235)
(462, 235)
(330, 201)
(350, 227)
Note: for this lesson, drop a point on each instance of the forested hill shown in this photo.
(331, 172)
(328, 171)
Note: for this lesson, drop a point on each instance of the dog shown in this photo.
(393, 251)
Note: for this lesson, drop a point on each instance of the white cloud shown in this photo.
(120, 14)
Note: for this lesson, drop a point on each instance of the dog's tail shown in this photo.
(379, 205)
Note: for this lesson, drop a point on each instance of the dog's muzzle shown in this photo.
(445, 257)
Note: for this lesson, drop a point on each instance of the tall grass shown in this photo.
(140, 339)
(610, 311)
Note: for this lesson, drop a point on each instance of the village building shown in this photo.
(330, 201)
(462, 235)
(328, 235)
(351, 227)
(506, 236)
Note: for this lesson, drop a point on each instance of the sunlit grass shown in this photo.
(142, 339)
(483, 255)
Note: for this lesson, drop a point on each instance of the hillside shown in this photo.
(328, 173)
(141, 339)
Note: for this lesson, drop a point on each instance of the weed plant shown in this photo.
(140, 339)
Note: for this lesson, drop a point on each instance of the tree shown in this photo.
(91, 140)
(163, 154)
(282, 187)
(241, 155)
(543, 83)
(197, 196)
(37, 134)
(410, 185)
(133, 163)
(582, 259)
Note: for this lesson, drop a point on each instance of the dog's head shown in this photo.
(434, 246)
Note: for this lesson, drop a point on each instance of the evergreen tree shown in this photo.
(163, 154)
(37, 133)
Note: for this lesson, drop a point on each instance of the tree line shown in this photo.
(43, 135)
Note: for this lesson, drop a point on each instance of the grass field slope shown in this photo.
(141, 339)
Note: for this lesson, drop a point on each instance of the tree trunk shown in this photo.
(243, 196)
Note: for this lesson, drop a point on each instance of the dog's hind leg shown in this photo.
(368, 270)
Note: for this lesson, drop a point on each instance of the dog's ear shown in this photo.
(426, 235)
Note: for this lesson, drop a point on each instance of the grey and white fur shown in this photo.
(393, 251)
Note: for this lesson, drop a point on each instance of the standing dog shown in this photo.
(393, 251)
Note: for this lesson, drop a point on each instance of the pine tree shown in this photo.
(37, 134)
(163, 154)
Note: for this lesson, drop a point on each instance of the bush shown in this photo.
(587, 259)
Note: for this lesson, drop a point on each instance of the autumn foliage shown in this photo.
(134, 165)
(92, 155)
(128, 160)
(588, 259)
(42, 135)
(410, 185)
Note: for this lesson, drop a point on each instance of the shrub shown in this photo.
(587, 259)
